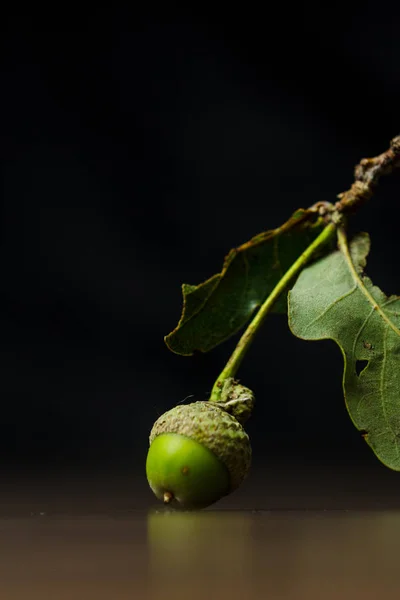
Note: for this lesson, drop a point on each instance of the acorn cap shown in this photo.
(216, 429)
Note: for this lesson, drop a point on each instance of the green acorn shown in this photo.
(200, 452)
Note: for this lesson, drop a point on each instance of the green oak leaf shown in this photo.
(219, 307)
(333, 299)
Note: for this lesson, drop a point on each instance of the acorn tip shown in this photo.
(167, 497)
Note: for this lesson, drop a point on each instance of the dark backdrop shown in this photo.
(137, 151)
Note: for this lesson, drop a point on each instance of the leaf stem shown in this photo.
(243, 345)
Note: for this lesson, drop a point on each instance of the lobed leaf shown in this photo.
(333, 299)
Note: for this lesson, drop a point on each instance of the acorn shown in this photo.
(200, 452)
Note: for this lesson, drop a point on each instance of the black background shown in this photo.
(137, 150)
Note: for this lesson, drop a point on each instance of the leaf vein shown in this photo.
(361, 400)
(329, 307)
(360, 331)
(391, 300)
(359, 283)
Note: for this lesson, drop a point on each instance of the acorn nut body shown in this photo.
(198, 454)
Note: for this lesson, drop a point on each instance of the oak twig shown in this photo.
(367, 174)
